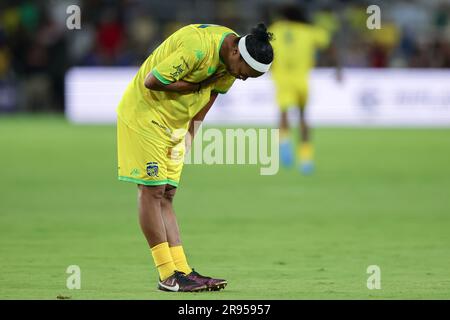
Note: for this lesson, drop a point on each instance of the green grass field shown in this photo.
(379, 197)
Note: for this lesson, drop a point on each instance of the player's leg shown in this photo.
(173, 231)
(176, 248)
(153, 227)
(284, 123)
(142, 161)
(286, 155)
(304, 128)
(305, 149)
(150, 214)
(159, 234)
(285, 99)
(169, 217)
(174, 169)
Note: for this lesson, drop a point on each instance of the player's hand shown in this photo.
(197, 87)
(212, 79)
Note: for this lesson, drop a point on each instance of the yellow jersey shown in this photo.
(190, 54)
(294, 48)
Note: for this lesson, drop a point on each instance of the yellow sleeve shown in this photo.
(176, 66)
(184, 59)
(223, 84)
(321, 38)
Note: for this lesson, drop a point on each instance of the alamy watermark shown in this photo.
(251, 146)
(73, 21)
(374, 280)
(374, 20)
(74, 280)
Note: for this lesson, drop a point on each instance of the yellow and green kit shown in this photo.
(151, 125)
(294, 48)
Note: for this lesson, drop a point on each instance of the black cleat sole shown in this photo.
(218, 287)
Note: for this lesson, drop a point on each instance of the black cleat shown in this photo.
(211, 283)
(179, 282)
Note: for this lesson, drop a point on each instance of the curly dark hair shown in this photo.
(258, 44)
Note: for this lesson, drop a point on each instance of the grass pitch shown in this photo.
(379, 197)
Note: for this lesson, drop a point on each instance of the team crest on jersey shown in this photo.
(152, 169)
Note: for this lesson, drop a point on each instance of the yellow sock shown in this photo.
(179, 258)
(163, 260)
(305, 152)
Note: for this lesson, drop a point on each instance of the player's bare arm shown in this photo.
(197, 121)
(180, 86)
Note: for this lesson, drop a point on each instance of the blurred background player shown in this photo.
(295, 46)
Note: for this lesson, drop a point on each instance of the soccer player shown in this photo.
(295, 48)
(174, 88)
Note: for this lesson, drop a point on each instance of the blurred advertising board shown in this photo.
(364, 97)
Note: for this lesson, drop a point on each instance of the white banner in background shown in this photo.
(365, 97)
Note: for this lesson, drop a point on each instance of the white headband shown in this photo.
(258, 66)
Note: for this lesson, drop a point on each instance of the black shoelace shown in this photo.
(198, 274)
(182, 279)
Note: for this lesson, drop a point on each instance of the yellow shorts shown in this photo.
(146, 161)
(291, 93)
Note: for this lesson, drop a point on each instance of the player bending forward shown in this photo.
(175, 87)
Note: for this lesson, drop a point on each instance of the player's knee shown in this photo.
(152, 192)
(169, 194)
